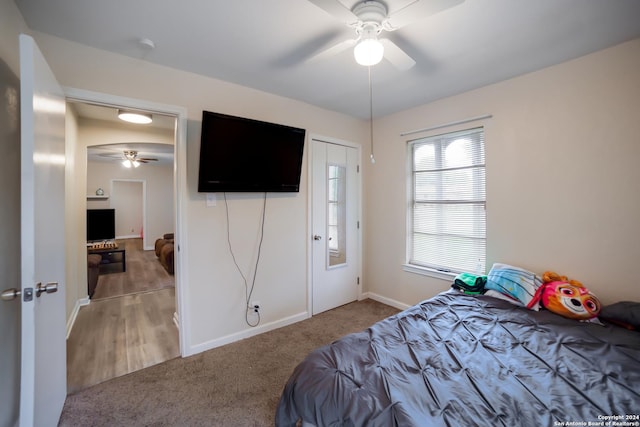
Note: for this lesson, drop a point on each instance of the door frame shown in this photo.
(329, 140)
(179, 186)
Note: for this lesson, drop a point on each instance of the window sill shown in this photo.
(425, 271)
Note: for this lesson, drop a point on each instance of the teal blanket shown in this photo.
(470, 283)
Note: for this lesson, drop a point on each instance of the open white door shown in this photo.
(43, 374)
(9, 245)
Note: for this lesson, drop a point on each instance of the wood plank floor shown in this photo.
(116, 336)
(129, 323)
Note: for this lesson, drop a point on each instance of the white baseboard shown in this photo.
(130, 236)
(199, 348)
(384, 300)
(74, 313)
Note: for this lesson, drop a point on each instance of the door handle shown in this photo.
(10, 294)
(49, 288)
(317, 237)
(13, 293)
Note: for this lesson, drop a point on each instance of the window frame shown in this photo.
(433, 269)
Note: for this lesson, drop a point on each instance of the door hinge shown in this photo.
(358, 281)
(358, 224)
(358, 169)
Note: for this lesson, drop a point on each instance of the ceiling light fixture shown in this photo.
(369, 51)
(134, 117)
(129, 163)
(147, 43)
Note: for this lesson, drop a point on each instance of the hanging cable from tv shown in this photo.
(248, 290)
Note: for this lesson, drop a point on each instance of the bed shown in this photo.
(463, 360)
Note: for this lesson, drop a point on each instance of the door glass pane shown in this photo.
(336, 215)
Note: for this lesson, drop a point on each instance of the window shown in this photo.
(447, 202)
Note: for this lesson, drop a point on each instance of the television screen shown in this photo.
(245, 155)
(101, 224)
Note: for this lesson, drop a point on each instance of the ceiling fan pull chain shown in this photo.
(373, 159)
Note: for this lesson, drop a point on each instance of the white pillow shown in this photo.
(515, 282)
(499, 295)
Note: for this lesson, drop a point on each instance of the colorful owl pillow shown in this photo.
(568, 298)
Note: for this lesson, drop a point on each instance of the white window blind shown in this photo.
(447, 206)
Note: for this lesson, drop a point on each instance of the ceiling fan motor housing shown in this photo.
(130, 154)
(371, 14)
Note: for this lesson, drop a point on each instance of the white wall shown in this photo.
(11, 25)
(562, 154)
(75, 219)
(126, 198)
(99, 132)
(215, 292)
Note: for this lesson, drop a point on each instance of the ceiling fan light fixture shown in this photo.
(130, 159)
(135, 117)
(130, 163)
(368, 51)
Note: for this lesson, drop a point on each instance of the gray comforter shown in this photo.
(458, 360)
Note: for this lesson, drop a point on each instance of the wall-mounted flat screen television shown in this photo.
(101, 224)
(245, 155)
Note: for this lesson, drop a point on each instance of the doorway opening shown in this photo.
(130, 321)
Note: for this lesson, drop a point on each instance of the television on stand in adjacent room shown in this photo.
(244, 155)
(101, 224)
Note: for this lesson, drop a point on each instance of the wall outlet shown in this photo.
(255, 306)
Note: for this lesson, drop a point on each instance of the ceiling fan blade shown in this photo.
(397, 56)
(417, 10)
(115, 156)
(336, 9)
(148, 159)
(333, 50)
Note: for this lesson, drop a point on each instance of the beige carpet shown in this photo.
(235, 385)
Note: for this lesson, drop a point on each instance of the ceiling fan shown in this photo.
(369, 18)
(131, 158)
